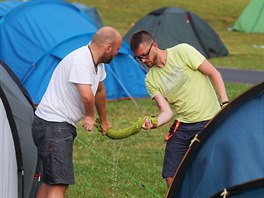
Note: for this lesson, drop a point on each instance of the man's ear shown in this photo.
(108, 48)
(155, 44)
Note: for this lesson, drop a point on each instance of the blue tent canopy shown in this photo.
(228, 152)
(91, 12)
(36, 35)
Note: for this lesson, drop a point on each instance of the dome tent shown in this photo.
(91, 12)
(170, 26)
(34, 42)
(227, 153)
(18, 153)
(251, 19)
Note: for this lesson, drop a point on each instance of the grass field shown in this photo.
(132, 167)
(125, 168)
(220, 15)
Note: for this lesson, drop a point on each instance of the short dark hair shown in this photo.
(139, 37)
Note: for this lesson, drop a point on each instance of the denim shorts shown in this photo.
(178, 144)
(54, 141)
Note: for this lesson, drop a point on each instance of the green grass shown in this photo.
(132, 167)
(124, 168)
(220, 15)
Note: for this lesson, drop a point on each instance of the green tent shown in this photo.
(252, 18)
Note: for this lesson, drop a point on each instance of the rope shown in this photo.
(125, 173)
(93, 189)
(124, 88)
(224, 193)
(194, 139)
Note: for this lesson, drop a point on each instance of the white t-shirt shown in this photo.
(62, 101)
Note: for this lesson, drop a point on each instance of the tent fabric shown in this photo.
(19, 155)
(33, 43)
(91, 12)
(228, 152)
(253, 188)
(6, 6)
(8, 165)
(251, 19)
(171, 26)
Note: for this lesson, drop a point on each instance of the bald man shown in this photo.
(75, 88)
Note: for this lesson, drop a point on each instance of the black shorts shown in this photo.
(178, 144)
(54, 141)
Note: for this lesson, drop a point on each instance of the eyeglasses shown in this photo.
(145, 55)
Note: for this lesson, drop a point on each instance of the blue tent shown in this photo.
(227, 153)
(91, 12)
(36, 35)
(254, 188)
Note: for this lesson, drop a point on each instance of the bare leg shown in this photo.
(42, 191)
(57, 191)
(169, 181)
(52, 191)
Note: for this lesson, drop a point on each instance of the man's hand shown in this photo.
(150, 123)
(88, 123)
(105, 125)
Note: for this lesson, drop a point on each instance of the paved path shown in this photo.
(241, 76)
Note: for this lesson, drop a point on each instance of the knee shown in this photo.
(169, 181)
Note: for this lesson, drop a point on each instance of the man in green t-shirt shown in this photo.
(182, 78)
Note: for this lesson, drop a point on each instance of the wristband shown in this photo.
(224, 103)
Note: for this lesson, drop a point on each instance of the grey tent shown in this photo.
(171, 26)
(18, 155)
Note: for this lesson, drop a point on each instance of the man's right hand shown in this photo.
(105, 125)
(88, 123)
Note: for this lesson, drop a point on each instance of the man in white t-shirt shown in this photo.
(75, 88)
(182, 78)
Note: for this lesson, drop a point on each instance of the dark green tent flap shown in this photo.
(171, 26)
(252, 18)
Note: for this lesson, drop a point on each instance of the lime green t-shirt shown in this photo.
(188, 90)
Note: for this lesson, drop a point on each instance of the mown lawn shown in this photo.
(132, 167)
(124, 168)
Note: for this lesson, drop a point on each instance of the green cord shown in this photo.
(136, 181)
(93, 189)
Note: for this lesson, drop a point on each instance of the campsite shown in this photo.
(130, 167)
